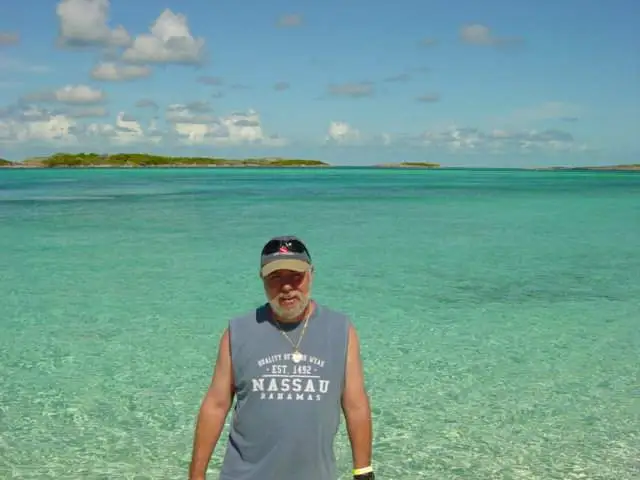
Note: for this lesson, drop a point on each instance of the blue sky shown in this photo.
(459, 82)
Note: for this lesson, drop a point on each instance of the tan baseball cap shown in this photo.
(284, 253)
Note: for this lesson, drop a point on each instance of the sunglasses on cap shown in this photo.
(285, 246)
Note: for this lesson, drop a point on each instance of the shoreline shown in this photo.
(122, 161)
(142, 167)
(408, 165)
(608, 168)
(630, 168)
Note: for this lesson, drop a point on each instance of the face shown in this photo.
(288, 292)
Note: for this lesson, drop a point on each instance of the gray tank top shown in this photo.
(287, 414)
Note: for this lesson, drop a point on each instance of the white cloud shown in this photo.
(49, 128)
(194, 124)
(170, 41)
(458, 140)
(193, 113)
(20, 125)
(461, 139)
(477, 34)
(84, 23)
(79, 94)
(59, 130)
(342, 133)
(69, 94)
(234, 129)
(113, 72)
(126, 131)
(386, 139)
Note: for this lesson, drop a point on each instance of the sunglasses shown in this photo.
(285, 246)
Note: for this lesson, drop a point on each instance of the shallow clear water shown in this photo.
(498, 312)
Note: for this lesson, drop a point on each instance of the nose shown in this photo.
(286, 286)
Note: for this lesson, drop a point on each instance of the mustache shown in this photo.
(288, 296)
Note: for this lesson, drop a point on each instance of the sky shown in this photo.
(493, 83)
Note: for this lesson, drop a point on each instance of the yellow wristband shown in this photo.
(362, 471)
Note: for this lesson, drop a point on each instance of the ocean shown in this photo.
(498, 311)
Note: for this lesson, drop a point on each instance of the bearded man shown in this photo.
(292, 366)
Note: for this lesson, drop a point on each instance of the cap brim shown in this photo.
(285, 264)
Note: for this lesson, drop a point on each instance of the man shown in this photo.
(292, 365)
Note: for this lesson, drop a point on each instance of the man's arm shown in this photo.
(355, 405)
(213, 411)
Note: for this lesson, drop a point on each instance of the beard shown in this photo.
(293, 311)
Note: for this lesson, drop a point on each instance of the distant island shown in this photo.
(633, 166)
(142, 160)
(409, 165)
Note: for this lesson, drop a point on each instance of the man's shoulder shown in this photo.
(249, 317)
(330, 314)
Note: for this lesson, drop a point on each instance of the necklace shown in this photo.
(296, 356)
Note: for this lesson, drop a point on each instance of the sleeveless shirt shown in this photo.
(286, 414)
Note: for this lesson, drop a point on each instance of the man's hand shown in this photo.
(355, 405)
(213, 411)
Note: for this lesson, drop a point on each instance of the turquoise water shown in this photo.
(499, 313)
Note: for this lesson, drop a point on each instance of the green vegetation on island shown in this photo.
(139, 160)
(144, 160)
(410, 165)
(608, 168)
